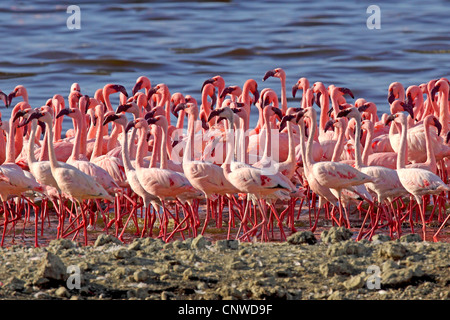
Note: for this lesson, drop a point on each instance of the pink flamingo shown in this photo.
(131, 174)
(416, 181)
(204, 176)
(13, 180)
(248, 179)
(219, 83)
(335, 175)
(385, 182)
(281, 74)
(72, 182)
(160, 182)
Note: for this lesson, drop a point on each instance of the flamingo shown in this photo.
(219, 83)
(417, 181)
(281, 74)
(160, 182)
(72, 182)
(334, 175)
(204, 176)
(385, 182)
(248, 179)
(131, 173)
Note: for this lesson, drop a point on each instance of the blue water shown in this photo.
(184, 43)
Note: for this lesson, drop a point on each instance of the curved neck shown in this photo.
(306, 163)
(324, 107)
(77, 143)
(283, 95)
(163, 152)
(291, 142)
(268, 145)
(10, 144)
(309, 157)
(339, 146)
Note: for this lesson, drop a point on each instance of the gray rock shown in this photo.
(227, 244)
(348, 248)
(199, 242)
(336, 267)
(15, 284)
(412, 237)
(302, 237)
(355, 282)
(52, 268)
(379, 238)
(106, 238)
(336, 234)
(141, 275)
(393, 250)
(62, 292)
(123, 253)
(62, 244)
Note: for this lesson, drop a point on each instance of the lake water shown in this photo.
(184, 43)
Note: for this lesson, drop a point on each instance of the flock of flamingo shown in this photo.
(151, 173)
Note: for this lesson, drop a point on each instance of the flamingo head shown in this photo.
(17, 92)
(233, 90)
(141, 82)
(224, 113)
(112, 116)
(277, 73)
(346, 91)
(438, 125)
(285, 119)
(329, 125)
(75, 87)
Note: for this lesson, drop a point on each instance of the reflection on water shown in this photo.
(184, 43)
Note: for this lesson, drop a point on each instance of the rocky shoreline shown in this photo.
(301, 268)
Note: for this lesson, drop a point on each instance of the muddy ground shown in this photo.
(330, 266)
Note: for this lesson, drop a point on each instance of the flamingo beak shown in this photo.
(226, 91)
(211, 81)
(408, 108)
(347, 91)
(10, 97)
(42, 125)
(149, 115)
(438, 125)
(123, 108)
(109, 118)
(120, 88)
(137, 86)
(318, 95)
(434, 91)
(34, 115)
(294, 90)
(178, 108)
(213, 101)
(389, 119)
(151, 92)
(344, 113)
(151, 120)
(256, 94)
(284, 121)
(88, 102)
(19, 114)
(391, 97)
(363, 108)
(329, 125)
(130, 125)
(270, 73)
(448, 137)
(299, 115)
(278, 113)
(205, 125)
(214, 113)
(63, 112)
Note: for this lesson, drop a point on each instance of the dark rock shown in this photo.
(412, 237)
(52, 268)
(336, 234)
(302, 237)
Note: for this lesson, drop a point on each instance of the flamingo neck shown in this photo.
(283, 94)
(125, 155)
(368, 145)
(306, 163)
(77, 143)
(309, 156)
(10, 144)
(156, 147)
(402, 154)
(229, 149)
(51, 150)
(43, 156)
(188, 154)
(291, 153)
(339, 146)
(431, 159)
(30, 156)
(132, 148)
(444, 116)
(268, 144)
(98, 145)
(358, 157)
(142, 148)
